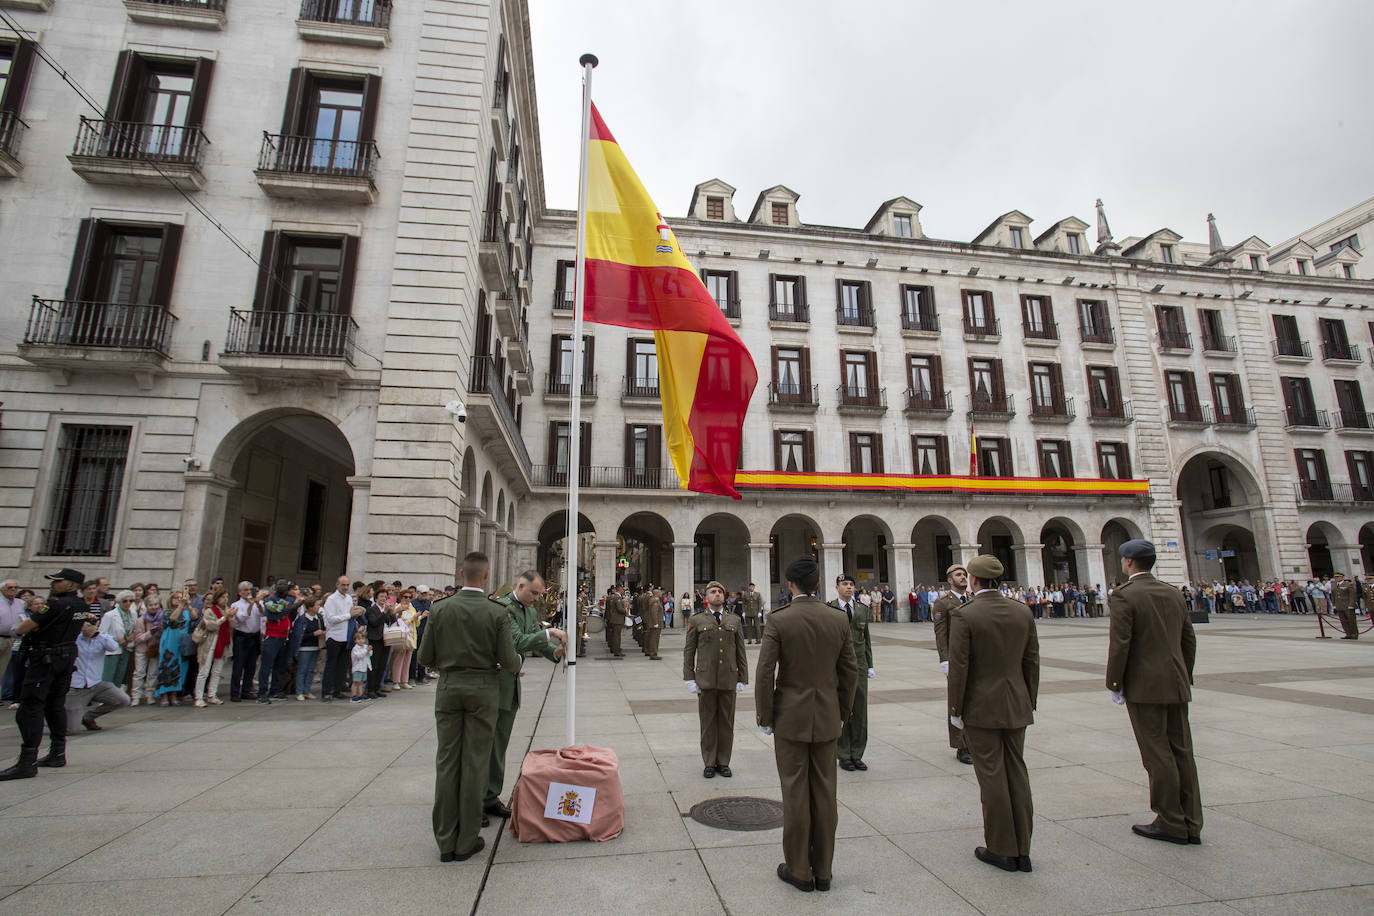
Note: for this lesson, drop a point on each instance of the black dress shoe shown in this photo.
(709, 772)
(847, 764)
(724, 771)
(822, 884)
(800, 885)
(1006, 863)
(963, 756)
(463, 857)
(1023, 863)
(496, 809)
(447, 857)
(1151, 832)
(859, 764)
(1194, 839)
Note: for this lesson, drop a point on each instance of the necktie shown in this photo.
(717, 618)
(963, 599)
(849, 609)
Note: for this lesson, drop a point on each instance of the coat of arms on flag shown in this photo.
(570, 803)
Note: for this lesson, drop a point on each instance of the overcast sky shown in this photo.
(1257, 110)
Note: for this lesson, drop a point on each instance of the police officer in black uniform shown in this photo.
(49, 653)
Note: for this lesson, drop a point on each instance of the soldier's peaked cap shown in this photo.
(985, 567)
(1136, 549)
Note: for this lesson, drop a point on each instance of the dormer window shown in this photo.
(1075, 243)
(1348, 271)
(1302, 266)
(1018, 238)
(901, 225)
(715, 208)
(779, 214)
(1166, 253)
(1255, 263)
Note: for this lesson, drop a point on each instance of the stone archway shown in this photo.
(1366, 541)
(552, 549)
(1000, 537)
(935, 541)
(1228, 553)
(721, 552)
(1220, 497)
(1322, 541)
(1116, 532)
(866, 539)
(645, 541)
(792, 536)
(1060, 541)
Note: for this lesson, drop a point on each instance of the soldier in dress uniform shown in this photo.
(715, 667)
(530, 639)
(854, 739)
(1343, 599)
(946, 606)
(653, 623)
(615, 620)
(638, 605)
(994, 677)
(753, 614)
(468, 641)
(1150, 658)
(803, 691)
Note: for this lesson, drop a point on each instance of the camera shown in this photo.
(458, 409)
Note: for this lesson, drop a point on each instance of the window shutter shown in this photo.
(999, 384)
(853, 453)
(772, 289)
(1004, 446)
(773, 358)
(839, 294)
(294, 113)
(871, 367)
(77, 278)
(200, 91)
(806, 373)
(1124, 460)
(630, 361)
(877, 453)
(937, 378)
(629, 445)
(555, 366)
(21, 63)
(972, 385)
(809, 458)
(121, 86)
(655, 449)
(265, 296)
(584, 448)
(1066, 458)
(1057, 385)
(1047, 304)
(372, 92)
(777, 450)
(732, 286)
(803, 311)
(866, 297)
(167, 264)
(551, 451)
(587, 359)
(348, 272)
(942, 454)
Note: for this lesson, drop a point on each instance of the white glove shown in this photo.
(739, 687)
(944, 668)
(765, 729)
(957, 721)
(692, 687)
(1118, 698)
(872, 674)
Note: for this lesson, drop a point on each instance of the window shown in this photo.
(1037, 317)
(1018, 237)
(304, 295)
(994, 457)
(1256, 262)
(1213, 335)
(985, 384)
(16, 61)
(1348, 271)
(793, 451)
(1166, 253)
(643, 455)
(1335, 343)
(901, 225)
(1047, 389)
(158, 105)
(924, 379)
(1287, 340)
(1350, 401)
(1056, 459)
(929, 455)
(853, 308)
(704, 556)
(641, 368)
(859, 371)
(1227, 401)
(565, 285)
(329, 122)
(1104, 391)
(1182, 392)
(792, 374)
(1075, 241)
(723, 285)
(120, 285)
(1302, 266)
(865, 453)
(1094, 321)
(779, 214)
(788, 301)
(560, 378)
(1297, 401)
(559, 451)
(715, 208)
(1313, 480)
(1361, 467)
(312, 529)
(918, 309)
(978, 313)
(1350, 241)
(88, 479)
(1173, 332)
(1219, 486)
(1113, 461)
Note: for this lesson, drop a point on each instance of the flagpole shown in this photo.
(588, 62)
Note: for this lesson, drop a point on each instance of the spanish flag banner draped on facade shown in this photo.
(636, 276)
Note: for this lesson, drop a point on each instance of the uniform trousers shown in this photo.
(810, 812)
(716, 712)
(613, 633)
(751, 628)
(651, 637)
(1166, 750)
(496, 773)
(854, 736)
(42, 698)
(1004, 786)
(1349, 623)
(465, 708)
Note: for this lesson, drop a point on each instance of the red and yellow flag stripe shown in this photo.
(913, 483)
(637, 276)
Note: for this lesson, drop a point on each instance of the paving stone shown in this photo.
(38, 846)
(207, 895)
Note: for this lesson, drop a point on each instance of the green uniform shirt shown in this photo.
(858, 633)
(529, 639)
(469, 632)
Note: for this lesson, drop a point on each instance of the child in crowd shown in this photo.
(307, 639)
(362, 664)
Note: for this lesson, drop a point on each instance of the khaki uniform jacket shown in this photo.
(640, 604)
(858, 634)
(753, 604)
(1152, 645)
(469, 632)
(1343, 595)
(615, 611)
(529, 639)
(994, 663)
(653, 612)
(806, 678)
(945, 607)
(1368, 595)
(714, 655)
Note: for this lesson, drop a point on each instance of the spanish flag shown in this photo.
(637, 277)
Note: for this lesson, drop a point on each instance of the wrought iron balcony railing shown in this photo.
(788, 312)
(991, 328)
(1242, 417)
(920, 321)
(791, 393)
(862, 396)
(1291, 347)
(372, 13)
(1175, 339)
(304, 334)
(114, 325)
(608, 477)
(640, 387)
(1101, 410)
(1343, 352)
(12, 129)
(1190, 415)
(562, 385)
(141, 141)
(315, 156)
(922, 400)
(1052, 409)
(992, 406)
(1218, 343)
(1097, 335)
(853, 318)
(1047, 331)
(1306, 419)
(1354, 419)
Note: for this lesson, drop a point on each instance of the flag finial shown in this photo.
(588, 60)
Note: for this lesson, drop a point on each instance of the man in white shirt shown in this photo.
(338, 609)
(248, 623)
(11, 612)
(89, 697)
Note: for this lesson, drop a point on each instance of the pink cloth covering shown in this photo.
(583, 765)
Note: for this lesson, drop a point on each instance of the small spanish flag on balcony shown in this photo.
(638, 277)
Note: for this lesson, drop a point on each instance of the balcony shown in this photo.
(12, 129)
(1218, 345)
(638, 390)
(1098, 338)
(790, 396)
(729, 308)
(492, 416)
(1176, 340)
(193, 14)
(493, 253)
(1238, 418)
(306, 168)
(1042, 335)
(861, 399)
(1121, 414)
(1355, 422)
(503, 309)
(787, 315)
(988, 407)
(559, 387)
(921, 323)
(1052, 411)
(72, 336)
(851, 320)
(1290, 350)
(1315, 491)
(500, 114)
(138, 153)
(1339, 353)
(1190, 417)
(564, 300)
(1296, 418)
(986, 332)
(350, 22)
(922, 403)
(290, 347)
(606, 477)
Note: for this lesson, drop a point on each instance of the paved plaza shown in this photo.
(325, 808)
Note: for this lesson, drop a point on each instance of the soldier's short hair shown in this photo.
(474, 565)
(528, 576)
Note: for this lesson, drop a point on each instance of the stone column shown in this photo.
(760, 574)
(524, 554)
(201, 528)
(605, 566)
(962, 554)
(357, 528)
(469, 518)
(902, 569)
(1029, 570)
(487, 538)
(832, 564)
(500, 561)
(682, 567)
(1092, 569)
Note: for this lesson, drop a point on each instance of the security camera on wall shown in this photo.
(458, 409)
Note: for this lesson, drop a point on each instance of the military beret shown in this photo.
(714, 584)
(802, 569)
(950, 571)
(843, 577)
(1136, 549)
(985, 567)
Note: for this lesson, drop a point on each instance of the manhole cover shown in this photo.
(740, 813)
